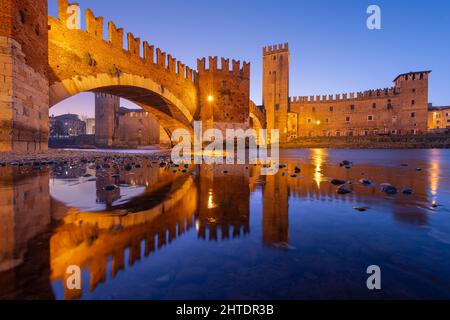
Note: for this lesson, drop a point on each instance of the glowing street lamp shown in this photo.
(210, 98)
(318, 122)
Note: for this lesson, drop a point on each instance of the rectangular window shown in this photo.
(309, 120)
(369, 118)
(277, 107)
(328, 120)
(413, 102)
(347, 119)
(413, 115)
(352, 107)
(374, 106)
(331, 109)
(314, 109)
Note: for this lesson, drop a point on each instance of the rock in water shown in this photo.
(111, 187)
(338, 182)
(343, 190)
(390, 190)
(365, 182)
(408, 192)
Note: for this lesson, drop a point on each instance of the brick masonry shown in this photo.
(137, 129)
(24, 122)
(224, 94)
(106, 119)
(401, 109)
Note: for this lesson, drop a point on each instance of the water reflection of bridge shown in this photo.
(214, 199)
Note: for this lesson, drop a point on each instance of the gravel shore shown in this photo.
(67, 155)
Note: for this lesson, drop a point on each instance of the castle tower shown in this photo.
(106, 119)
(24, 88)
(276, 88)
(224, 94)
(413, 98)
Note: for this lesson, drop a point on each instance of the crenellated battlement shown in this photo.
(95, 25)
(236, 68)
(365, 95)
(277, 48)
(412, 76)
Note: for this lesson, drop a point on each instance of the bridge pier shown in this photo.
(106, 119)
(24, 86)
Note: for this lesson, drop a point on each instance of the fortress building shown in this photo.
(401, 109)
(44, 60)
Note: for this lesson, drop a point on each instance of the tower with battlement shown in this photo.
(224, 93)
(24, 87)
(276, 61)
(106, 119)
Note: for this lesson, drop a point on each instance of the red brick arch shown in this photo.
(82, 61)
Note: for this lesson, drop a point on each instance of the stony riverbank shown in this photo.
(437, 141)
(58, 155)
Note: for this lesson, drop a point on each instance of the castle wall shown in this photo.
(24, 89)
(138, 129)
(224, 94)
(402, 109)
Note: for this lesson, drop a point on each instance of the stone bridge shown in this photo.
(43, 61)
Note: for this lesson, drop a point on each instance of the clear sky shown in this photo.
(332, 50)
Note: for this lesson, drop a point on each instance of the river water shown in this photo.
(226, 232)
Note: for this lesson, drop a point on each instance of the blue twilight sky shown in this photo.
(332, 51)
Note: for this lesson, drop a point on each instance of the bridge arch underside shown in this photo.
(255, 122)
(169, 111)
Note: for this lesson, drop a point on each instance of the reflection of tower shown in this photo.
(276, 88)
(106, 119)
(275, 210)
(220, 204)
(24, 219)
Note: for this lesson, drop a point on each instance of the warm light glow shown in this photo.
(318, 159)
(211, 204)
(318, 122)
(435, 176)
(210, 98)
(197, 225)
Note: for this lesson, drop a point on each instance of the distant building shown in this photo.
(438, 118)
(136, 127)
(67, 125)
(90, 126)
